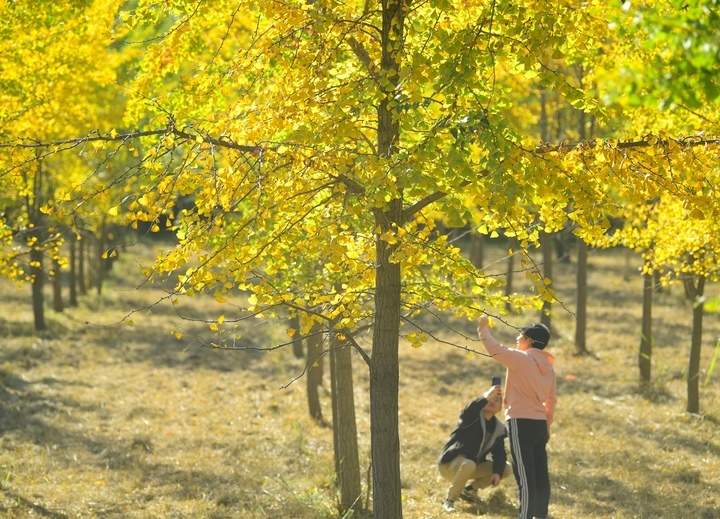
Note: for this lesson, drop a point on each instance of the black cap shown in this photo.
(539, 334)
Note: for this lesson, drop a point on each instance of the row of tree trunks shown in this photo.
(79, 279)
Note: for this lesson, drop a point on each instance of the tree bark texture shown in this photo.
(384, 367)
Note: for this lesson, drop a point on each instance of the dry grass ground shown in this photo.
(100, 420)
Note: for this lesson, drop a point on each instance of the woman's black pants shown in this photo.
(530, 465)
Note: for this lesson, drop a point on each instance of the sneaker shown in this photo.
(448, 506)
(469, 494)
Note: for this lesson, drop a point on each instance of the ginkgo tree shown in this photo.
(347, 130)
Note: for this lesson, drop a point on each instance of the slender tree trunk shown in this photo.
(100, 260)
(645, 355)
(72, 276)
(347, 463)
(546, 246)
(545, 238)
(510, 271)
(314, 374)
(477, 250)
(37, 273)
(582, 293)
(297, 343)
(81, 266)
(90, 261)
(334, 402)
(384, 365)
(57, 286)
(696, 293)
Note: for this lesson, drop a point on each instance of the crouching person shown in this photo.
(463, 461)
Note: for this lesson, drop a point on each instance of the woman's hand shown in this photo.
(495, 480)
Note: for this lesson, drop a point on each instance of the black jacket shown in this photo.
(468, 438)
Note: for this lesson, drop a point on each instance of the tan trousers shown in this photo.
(461, 470)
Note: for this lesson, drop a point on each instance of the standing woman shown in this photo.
(529, 408)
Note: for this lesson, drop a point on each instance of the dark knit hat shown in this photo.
(539, 334)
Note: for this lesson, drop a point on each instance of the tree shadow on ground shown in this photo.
(610, 498)
(27, 328)
(28, 415)
(667, 440)
(453, 370)
(193, 351)
(22, 503)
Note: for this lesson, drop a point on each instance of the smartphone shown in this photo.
(495, 381)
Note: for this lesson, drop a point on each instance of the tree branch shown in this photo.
(111, 137)
(684, 142)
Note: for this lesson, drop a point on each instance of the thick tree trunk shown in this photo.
(384, 384)
(37, 273)
(347, 463)
(582, 293)
(384, 367)
(314, 374)
(645, 354)
(547, 256)
(57, 287)
(297, 343)
(477, 250)
(693, 377)
(72, 276)
(81, 266)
